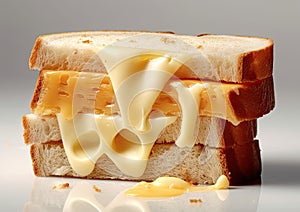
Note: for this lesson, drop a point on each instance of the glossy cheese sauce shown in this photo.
(172, 186)
(118, 115)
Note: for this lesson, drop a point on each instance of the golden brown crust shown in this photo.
(241, 134)
(34, 52)
(244, 164)
(253, 100)
(36, 162)
(256, 65)
(37, 91)
(26, 133)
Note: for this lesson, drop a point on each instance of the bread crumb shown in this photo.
(86, 41)
(96, 188)
(195, 201)
(199, 47)
(61, 186)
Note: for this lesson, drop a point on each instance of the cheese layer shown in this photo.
(70, 92)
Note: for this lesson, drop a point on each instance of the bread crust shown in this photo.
(27, 132)
(34, 52)
(251, 66)
(202, 165)
(256, 65)
(253, 100)
(37, 90)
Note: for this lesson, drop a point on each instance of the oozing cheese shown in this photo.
(122, 114)
(136, 89)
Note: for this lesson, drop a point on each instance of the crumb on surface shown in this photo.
(86, 41)
(96, 188)
(61, 186)
(195, 200)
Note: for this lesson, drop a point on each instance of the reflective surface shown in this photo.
(81, 196)
(20, 190)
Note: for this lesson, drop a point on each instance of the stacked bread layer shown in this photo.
(221, 147)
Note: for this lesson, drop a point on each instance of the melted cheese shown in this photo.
(172, 186)
(128, 131)
(135, 95)
(137, 82)
(83, 194)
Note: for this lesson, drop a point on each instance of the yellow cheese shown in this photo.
(172, 186)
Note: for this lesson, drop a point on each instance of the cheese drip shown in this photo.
(127, 137)
(172, 186)
(86, 137)
(137, 82)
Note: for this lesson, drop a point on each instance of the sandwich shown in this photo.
(141, 105)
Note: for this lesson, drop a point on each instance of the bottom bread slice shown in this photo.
(200, 164)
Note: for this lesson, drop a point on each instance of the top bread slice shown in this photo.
(230, 58)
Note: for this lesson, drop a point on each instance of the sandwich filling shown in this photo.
(130, 125)
(122, 113)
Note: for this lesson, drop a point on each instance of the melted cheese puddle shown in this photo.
(172, 186)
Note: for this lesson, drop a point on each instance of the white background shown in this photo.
(279, 132)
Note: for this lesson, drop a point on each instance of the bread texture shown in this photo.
(241, 102)
(200, 164)
(213, 132)
(227, 58)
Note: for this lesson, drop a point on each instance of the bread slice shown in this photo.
(213, 132)
(240, 102)
(199, 164)
(226, 58)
